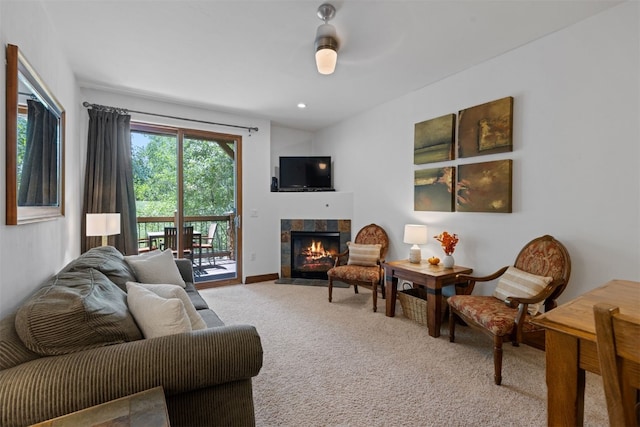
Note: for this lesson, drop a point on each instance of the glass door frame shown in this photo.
(180, 134)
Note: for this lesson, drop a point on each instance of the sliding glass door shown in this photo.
(190, 178)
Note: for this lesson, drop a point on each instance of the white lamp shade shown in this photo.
(103, 224)
(326, 60)
(415, 234)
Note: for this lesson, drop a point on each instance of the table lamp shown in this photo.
(103, 224)
(415, 235)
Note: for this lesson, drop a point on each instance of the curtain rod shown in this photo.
(125, 111)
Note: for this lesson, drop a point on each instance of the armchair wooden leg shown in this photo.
(452, 326)
(330, 287)
(497, 359)
(374, 287)
(355, 288)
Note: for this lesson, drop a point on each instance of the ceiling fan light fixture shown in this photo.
(326, 41)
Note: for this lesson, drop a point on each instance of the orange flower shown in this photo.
(448, 242)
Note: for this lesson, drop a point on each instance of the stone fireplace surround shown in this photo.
(343, 226)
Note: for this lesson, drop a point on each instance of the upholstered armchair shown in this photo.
(361, 263)
(537, 278)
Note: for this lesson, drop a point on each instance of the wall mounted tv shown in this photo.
(309, 173)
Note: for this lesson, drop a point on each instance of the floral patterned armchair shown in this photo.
(363, 266)
(540, 274)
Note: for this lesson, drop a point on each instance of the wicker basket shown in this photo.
(414, 304)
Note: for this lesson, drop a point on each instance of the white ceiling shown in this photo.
(256, 58)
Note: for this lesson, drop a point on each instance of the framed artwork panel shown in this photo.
(433, 140)
(433, 189)
(484, 187)
(486, 129)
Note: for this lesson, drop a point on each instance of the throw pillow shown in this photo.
(156, 316)
(518, 283)
(174, 291)
(365, 255)
(159, 268)
(108, 261)
(75, 311)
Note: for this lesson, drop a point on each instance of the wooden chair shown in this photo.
(509, 319)
(618, 340)
(349, 270)
(171, 241)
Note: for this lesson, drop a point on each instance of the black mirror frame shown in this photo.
(16, 62)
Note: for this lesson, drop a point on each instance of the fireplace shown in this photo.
(312, 253)
(318, 228)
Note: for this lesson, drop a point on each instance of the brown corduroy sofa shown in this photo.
(206, 374)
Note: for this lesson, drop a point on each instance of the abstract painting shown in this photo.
(484, 187)
(433, 189)
(433, 140)
(486, 129)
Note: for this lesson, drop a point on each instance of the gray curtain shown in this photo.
(39, 175)
(109, 177)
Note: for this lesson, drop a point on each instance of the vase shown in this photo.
(448, 261)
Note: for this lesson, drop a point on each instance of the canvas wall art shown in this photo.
(433, 189)
(484, 187)
(486, 129)
(434, 140)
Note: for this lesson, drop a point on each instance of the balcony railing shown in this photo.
(224, 238)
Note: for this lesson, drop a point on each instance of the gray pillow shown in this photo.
(159, 268)
(75, 311)
(107, 260)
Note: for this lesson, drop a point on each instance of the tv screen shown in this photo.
(310, 173)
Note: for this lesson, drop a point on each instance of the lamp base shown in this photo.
(415, 255)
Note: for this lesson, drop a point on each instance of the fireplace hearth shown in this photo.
(307, 246)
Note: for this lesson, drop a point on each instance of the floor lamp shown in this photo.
(103, 224)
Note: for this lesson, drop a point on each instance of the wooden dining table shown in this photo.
(571, 350)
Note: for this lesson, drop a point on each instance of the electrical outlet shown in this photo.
(253, 256)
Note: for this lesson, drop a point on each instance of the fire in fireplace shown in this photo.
(312, 253)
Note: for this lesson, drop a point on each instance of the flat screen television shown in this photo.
(308, 173)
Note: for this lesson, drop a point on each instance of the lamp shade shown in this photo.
(415, 234)
(103, 224)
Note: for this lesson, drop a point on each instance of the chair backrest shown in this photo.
(545, 256)
(373, 234)
(171, 238)
(618, 340)
(212, 232)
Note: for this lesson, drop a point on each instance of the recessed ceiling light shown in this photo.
(302, 105)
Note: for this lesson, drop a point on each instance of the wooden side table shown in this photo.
(144, 409)
(432, 277)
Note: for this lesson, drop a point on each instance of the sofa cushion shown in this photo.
(75, 311)
(12, 350)
(157, 316)
(175, 291)
(107, 260)
(196, 299)
(160, 268)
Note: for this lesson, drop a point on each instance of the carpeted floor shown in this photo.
(340, 364)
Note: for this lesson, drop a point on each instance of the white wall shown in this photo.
(31, 253)
(288, 142)
(576, 156)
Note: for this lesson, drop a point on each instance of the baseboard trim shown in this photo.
(261, 278)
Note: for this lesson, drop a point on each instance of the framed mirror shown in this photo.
(34, 145)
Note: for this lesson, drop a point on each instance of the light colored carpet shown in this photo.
(341, 364)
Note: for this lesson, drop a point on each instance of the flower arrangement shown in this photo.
(448, 242)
